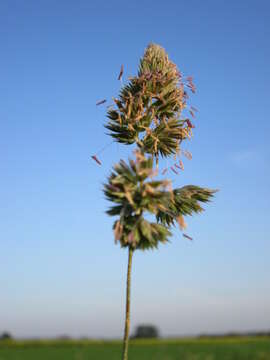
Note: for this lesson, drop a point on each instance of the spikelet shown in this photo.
(181, 221)
(118, 231)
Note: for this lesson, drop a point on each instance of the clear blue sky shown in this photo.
(60, 270)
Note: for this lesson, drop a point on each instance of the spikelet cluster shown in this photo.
(150, 106)
(149, 113)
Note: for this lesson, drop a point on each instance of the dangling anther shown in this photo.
(194, 109)
(187, 154)
(173, 169)
(164, 171)
(101, 102)
(121, 72)
(188, 237)
(189, 124)
(191, 84)
(192, 113)
(181, 164)
(96, 159)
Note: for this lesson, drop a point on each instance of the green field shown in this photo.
(183, 349)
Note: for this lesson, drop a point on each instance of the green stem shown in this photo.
(127, 323)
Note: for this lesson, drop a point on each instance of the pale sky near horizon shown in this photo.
(60, 271)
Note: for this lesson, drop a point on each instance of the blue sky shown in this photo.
(61, 272)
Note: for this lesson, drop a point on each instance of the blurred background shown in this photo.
(61, 272)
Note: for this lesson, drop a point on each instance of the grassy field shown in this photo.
(183, 349)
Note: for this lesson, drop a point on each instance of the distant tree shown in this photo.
(146, 331)
(5, 336)
(64, 337)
